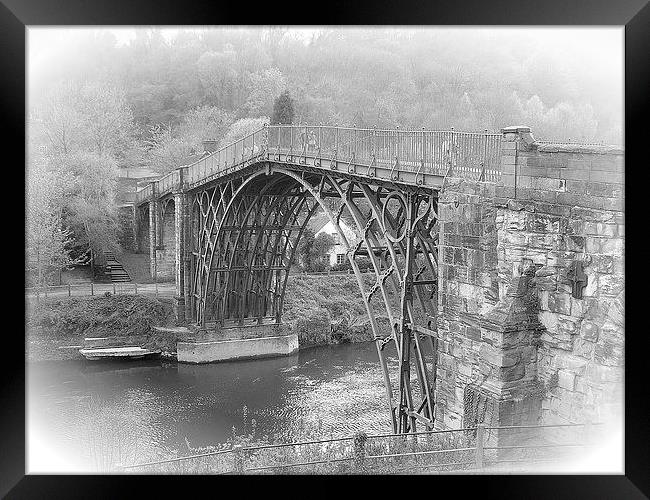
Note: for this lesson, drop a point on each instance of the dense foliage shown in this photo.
(283, 110)
(311, 254)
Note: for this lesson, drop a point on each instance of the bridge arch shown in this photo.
(244, 234)
(166, 240)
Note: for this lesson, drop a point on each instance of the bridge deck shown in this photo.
(420, 158)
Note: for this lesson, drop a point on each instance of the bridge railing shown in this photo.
(229, 156)
(450, 449)
(168, 182)
(145, 193)
(474, 155)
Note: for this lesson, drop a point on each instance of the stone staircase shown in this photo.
(114, 270)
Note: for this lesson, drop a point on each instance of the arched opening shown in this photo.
(142, 237)
(166, 247)
(244, 234)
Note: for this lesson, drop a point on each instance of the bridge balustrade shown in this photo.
(474, 155)
(467, 154)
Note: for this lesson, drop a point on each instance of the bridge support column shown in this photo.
(137, 227)
(179, 251)
(508, 392)
(487, 327)
(153, 237)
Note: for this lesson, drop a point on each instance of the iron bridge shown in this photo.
(240, 212)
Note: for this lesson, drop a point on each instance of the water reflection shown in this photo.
(142, 410)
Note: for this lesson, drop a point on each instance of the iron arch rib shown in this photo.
(245, 231)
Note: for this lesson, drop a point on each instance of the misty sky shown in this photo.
(581, 66)
(601, 48)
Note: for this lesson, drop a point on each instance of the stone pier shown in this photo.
(531, 288)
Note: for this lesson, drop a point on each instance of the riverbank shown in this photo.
(54, 326)
(322, 310)
(327, 310)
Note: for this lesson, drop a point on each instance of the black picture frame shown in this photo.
(16, 15)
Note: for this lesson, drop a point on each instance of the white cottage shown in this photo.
(337, 253)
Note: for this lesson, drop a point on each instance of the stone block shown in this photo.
(580, 162)
(612, 246)
(552, 209)
(575, 364)
(566, 380)
(605, 177)
(589, 330)
(576, 186)
(609, 230)
(546, 242)
(611, 163)
(601, 189)
(577, 308)
(583, 348)
(564, 408)
(559, 303)
(543, 300)
(608, 353)
(465, 370)
(560, 259)
(611, 284)
(575, 174)
(588, 214)
(593, 244)
(545, 223)
(596, 309)
(614, 204)
(514, 238)
(504, 191)
(590, 201)
(599, 374)
(548, 320)
(576, 227)
(604, 264)
(567, 325)
(543, 195)
(573, 243)
(547, 184)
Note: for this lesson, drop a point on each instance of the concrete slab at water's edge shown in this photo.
(225, 350)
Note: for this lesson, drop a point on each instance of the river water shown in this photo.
(87, 415)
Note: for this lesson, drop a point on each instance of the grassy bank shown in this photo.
(328, 310)
(54, 323)
(321, 309)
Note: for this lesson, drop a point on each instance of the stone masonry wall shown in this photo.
(468, 288)
(537, 353)
(166, 251)
(567, 205)
(127, 228)
(143, 236)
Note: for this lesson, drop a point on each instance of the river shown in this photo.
(83, 415)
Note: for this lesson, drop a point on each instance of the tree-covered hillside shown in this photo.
(101, 99)
(434, 78)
